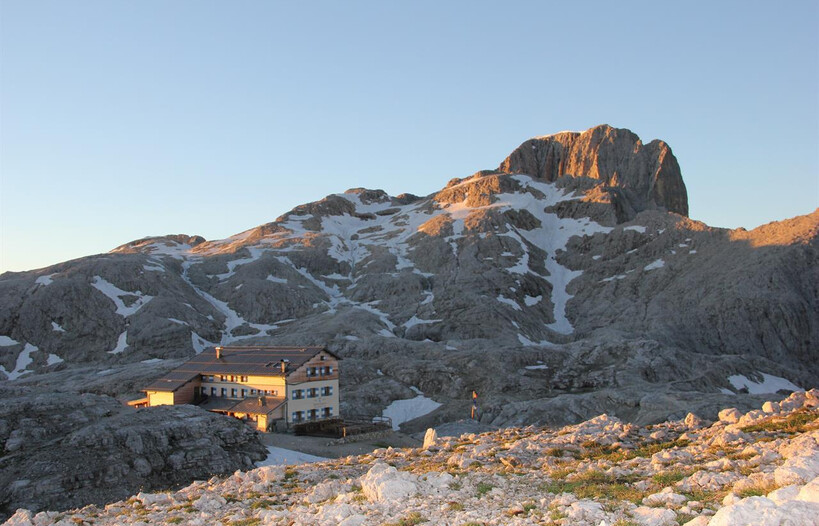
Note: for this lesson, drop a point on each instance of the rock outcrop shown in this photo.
(636, 176)
(63, 451)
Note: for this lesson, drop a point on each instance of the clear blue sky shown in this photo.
(120, 120)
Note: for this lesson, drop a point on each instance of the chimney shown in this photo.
(218, 353)
(284, 365)
(261, 402)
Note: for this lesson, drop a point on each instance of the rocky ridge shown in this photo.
(760, 467)
(97, 451)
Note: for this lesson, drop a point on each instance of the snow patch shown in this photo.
(24, 359)
(45, 280)
(56, 327)
(274, 279)
(412, 322)
(636, 228)
(659, 263)
(115, 294)
(401, 411)
(5, 341)
(278, 456)
(121, 343)
(200, 344)
(53, 359)
(769, 384)
(532, 300)
(152, 360)
(512, 303)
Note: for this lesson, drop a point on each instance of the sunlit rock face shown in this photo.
(567, 283)
(638, 177)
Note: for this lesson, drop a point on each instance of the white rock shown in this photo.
(384, 483)
(353, 520)
(797, 470)
(666, 497)
(158, 499)
(586, 510)
(770, 407)
(761, 511)
(702, 520)
(20, 518)
(783, 495)
(730, 415)
(430, 438)
(810, 491)
(654, 516)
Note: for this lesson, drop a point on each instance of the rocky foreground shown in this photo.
(760, 468)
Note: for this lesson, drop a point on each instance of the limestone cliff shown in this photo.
(639, 177)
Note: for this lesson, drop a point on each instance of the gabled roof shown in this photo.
(172, 381)
(238, 360)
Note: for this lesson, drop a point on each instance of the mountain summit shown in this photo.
(636, 177)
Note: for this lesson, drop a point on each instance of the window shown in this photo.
(298, 394)
(298, 416)
(326, 391)
(210, 378)
(312, 414)
(244, 393)
(233, 392)
(252, 392)
(224, 391)
(213, 391)
(322, 357)
(232, 378)
(327, 412)
(244, 379)
(222, 378)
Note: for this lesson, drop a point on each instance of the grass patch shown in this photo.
(484, 488)
(757, 491)
(245, 522)
(597, 485)
(175, 520)
(666, 478)
(455, 506)
(263, 504)
(410, 520)
(796, 422)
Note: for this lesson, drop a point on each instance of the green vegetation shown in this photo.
(484, 488)
(410, 520)
(263, 504)
(455, 506)
(175, 520)
(666, 478)
(796, 422)
(597, 485)
(245, 522)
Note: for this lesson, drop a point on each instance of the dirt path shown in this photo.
(319, 445)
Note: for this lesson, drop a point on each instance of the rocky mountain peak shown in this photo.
(638, 176)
